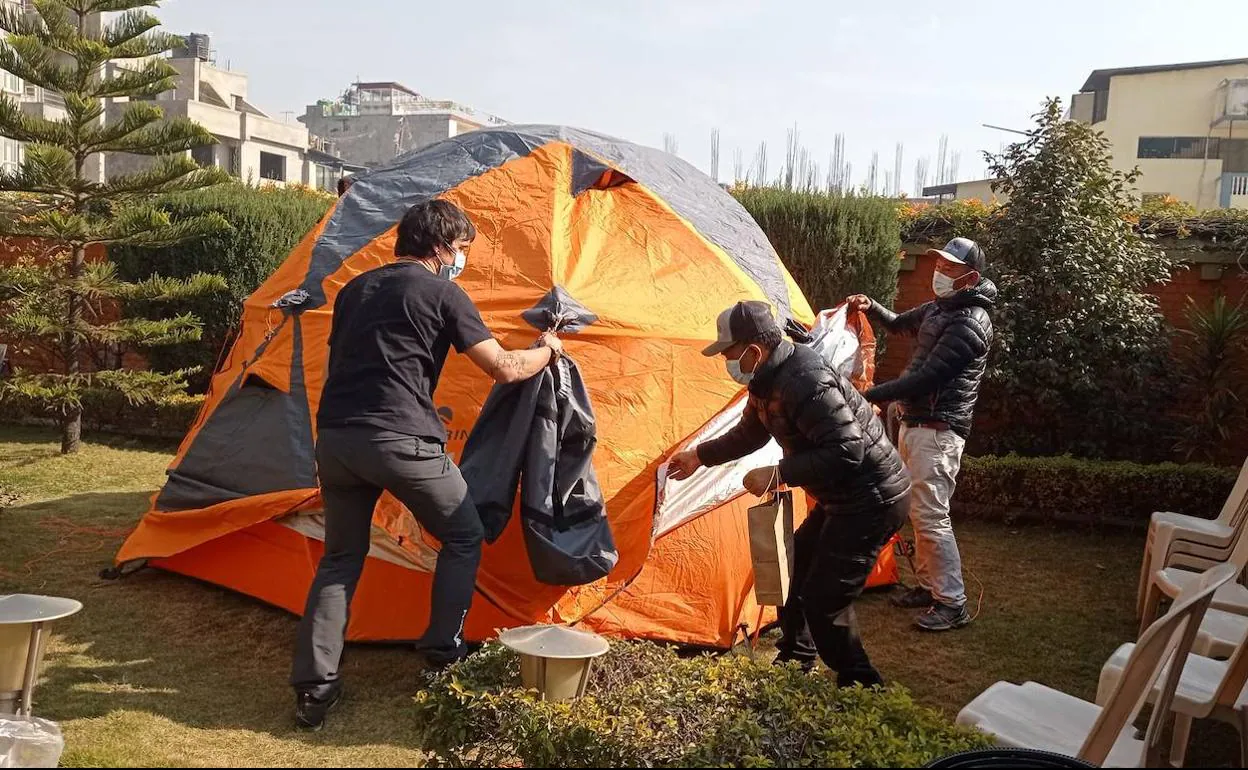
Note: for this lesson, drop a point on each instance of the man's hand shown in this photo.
(760, 481)
(549, 340)
(860, 302)
(683, 465)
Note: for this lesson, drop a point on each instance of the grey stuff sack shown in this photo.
(538, 436)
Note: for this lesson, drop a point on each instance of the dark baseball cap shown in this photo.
(963, 251)
(744, 322)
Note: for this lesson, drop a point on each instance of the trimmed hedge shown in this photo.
(647, 707)
(111, 413)
(834, 245)
(265, 224)
(1067, 489)
(1212, 230)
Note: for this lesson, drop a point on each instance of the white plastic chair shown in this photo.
(1220, 635)
(1176, 540)
(1170, 581)
(1033, 716)
(1207, 689)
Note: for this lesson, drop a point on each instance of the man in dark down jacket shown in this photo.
(835, 449)
(937, 393)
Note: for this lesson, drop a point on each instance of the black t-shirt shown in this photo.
(392, 329)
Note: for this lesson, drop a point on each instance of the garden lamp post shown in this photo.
(23, 638)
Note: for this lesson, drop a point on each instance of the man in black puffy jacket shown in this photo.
(937, 394)
(835, 449)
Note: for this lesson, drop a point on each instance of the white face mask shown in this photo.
(943, 285)
(451, 272)
(734, 371)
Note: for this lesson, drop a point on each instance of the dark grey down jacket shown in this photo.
(539, 436)
(953, 337)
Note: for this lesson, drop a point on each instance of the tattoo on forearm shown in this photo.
(510, 361)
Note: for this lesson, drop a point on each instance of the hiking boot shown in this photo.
(310, 712)
(917, 598)
(807, 666)
(942, 617)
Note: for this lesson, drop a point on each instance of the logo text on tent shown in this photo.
(447, 415)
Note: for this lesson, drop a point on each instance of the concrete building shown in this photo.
(250, 145)
(373, 123)
(979, 189)
(1184, 125)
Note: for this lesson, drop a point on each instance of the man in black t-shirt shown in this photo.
(378, 432)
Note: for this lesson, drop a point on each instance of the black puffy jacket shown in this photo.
(834, 444)
(954, 335)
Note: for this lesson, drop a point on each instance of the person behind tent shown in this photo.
(836, 450)
(937, 393)
(378, 431)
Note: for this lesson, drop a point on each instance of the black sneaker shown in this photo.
(942, 617)
(917, 598)
(807, 666)
(310, 712)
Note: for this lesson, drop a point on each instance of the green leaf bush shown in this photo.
(1069, 489)
(265, 225)
(834, 245)
(648, 707)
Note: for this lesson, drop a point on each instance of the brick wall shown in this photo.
(1204, 275)
(13, 249)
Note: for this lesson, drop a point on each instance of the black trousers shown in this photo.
(354, 466)
(834, 554)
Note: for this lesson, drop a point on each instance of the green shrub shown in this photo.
(170, 417)
(266, 223)
(647, 707)
(936, 225)
(1088, 491)
(834, 245)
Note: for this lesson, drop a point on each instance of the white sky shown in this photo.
(878, 72)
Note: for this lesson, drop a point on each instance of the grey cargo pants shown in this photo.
(354, 466)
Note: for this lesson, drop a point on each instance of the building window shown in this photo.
(1100, 106)
(327, 178)
(203, 156)
(13, 84)
(273, 167)
(10, 156)
(1180, 147)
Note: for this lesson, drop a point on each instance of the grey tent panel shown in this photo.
(257, 440)
(379, 199)
(589, 173)
(560, 311)
(302, 444)
(242, 450)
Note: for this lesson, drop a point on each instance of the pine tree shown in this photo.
(56, 305)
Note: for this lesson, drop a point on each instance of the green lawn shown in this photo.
(160, 670)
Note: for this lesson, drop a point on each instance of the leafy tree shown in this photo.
(1082, 364)
(57, 302)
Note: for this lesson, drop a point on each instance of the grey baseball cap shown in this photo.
(743, 322)
(963, 251)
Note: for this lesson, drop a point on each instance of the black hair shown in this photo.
(769, 339)
(344, 182)
(428, 225)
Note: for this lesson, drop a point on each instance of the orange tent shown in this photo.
(649, 245)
